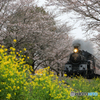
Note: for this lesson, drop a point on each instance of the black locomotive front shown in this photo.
(80, 62)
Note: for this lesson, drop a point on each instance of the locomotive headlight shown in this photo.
(75, 50)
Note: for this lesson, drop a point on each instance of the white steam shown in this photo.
(84, 45)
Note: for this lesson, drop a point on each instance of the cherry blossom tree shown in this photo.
(96, 40)
(34, 29)
(88, 10)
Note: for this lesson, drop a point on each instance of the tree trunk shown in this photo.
(33, 65)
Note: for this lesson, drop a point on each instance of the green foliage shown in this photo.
(29, 61)
(80, 84)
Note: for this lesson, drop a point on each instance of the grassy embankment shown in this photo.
(17, 83)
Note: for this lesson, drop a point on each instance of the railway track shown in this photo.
(89, 79)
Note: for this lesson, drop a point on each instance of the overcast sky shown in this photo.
(77, 31)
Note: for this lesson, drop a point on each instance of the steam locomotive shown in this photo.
(80, 62)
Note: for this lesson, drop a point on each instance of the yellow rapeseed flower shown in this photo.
(22, 82)
(50, 94)
(14, 87)
(14, 40)
(27, 57)
(24, 49)
(48, 67)
(6, 63)
(2, 46)
(13, 49)
(17, 53)
(8, 96)
(17, 81)
(24, 88)
(65, 75)
(44, 87)
(18, 87)
(68, 85)
(51, 75)
(73, 84)
(14, 93)
(6, 88)
(1, 50)
(11, 73)
(63, 81)
(11, 53)
(6, 49)
(24, 55)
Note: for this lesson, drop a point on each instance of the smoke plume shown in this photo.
(84, 45)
